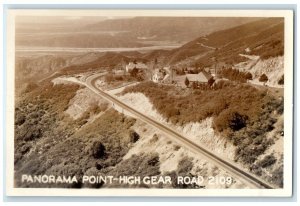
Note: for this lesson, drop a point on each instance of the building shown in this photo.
(201, 78)
(163, 75)
(158, 76)
(140, 66)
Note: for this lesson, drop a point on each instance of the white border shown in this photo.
(288, 105)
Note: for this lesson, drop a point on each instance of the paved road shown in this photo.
(242, 175)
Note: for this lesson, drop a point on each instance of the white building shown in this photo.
(158, 76)
(140, 66)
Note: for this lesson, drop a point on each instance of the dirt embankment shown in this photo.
(201, 133)
(171, 154)
(268, 165)
(272, 67)
(82, 101)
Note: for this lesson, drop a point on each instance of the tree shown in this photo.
(134, 137)
(134, 72)
(194, 85)
(180, 72)
(263, 78)
(248, 76)
(109, 78)
(186, 82)
(211, 81)
(237, 121)
(98, 150)
(281, 80)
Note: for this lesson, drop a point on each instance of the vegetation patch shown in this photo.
(187, 106)
(184, 168)
(236, 75)
(49, 142)
(245, 124)
(140, 165)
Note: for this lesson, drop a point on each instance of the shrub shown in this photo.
(119, 78)
(134, 72)
(170, 112)
(153, 161)
(19, 118)
(248, 76)
(281, 80)
(134, 137)
(184, 168)
(138, 165)
(185, 165)
(235, 75)
(176, 147)
(277, 177)
(263, 78)
(98, 150)
(230, 119)
(109, 78)
(237, 121)
(186, 82)
(30, 87)
(267, 161)
(154, 138)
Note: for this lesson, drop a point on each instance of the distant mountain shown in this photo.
(122, 32)
(263, 38)
(77, 40)
(177, 29)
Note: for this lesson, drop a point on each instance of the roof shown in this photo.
(201, 77)
(141, 66)
(206, 75)
(138, 65)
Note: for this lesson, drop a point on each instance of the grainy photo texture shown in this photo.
(149, 102)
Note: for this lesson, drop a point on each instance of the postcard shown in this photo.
(149, 102)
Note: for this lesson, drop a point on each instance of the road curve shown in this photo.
(250, 179)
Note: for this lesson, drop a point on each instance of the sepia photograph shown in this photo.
(122, 102)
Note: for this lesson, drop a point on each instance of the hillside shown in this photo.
(263, 37)
(35, 67)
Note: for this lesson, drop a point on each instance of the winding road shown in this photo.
(244, 176)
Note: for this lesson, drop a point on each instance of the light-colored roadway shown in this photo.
(244, 176)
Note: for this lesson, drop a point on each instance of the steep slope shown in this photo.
(38, 65)
(107, 60)
(263, 38)
(34, 67)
